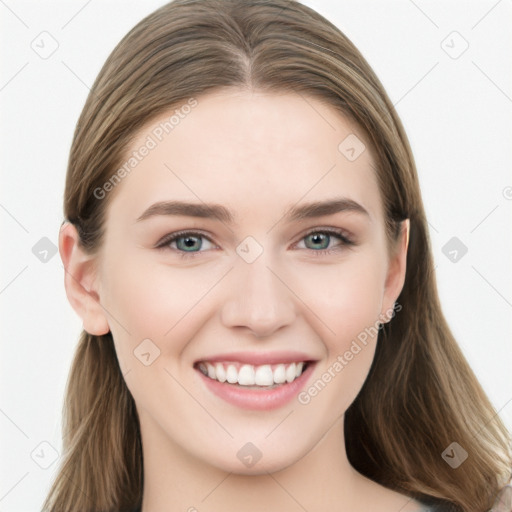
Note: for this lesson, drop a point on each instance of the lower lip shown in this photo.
(258, 399)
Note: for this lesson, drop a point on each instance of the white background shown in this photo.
(457, 114)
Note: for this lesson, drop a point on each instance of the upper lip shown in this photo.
(258, 358)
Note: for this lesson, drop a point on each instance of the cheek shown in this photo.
(149, 300)
(155, 311)
(346, 300)
(346, 297)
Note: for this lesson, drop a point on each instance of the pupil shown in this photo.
(321, 239)
(189, 242)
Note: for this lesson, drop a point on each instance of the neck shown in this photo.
(175, 480)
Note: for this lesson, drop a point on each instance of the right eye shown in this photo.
(187, 243)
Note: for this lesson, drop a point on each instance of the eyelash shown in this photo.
(163, 244)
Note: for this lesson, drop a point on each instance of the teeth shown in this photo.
(264, 375)
(246, 375)
(249, 375)
(220, 372)
(280, 374)
(231, 374)
(290, 373)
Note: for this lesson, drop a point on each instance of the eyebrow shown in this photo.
(217, 211)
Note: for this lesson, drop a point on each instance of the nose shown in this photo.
(258, 300)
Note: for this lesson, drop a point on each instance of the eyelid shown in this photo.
(171, 237)
(345, 235)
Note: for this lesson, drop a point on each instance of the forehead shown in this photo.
(250, 150)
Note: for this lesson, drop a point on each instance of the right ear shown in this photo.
(80, 281)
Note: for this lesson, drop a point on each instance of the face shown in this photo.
(263, 265)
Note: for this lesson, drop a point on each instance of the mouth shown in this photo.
(262, 386)
(250, 376)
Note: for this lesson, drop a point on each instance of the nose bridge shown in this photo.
(257, 299)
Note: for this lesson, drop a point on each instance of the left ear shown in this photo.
(395, 277)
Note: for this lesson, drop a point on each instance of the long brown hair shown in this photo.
(420, 394)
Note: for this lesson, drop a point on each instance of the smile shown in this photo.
(256, 381)
(265, 375)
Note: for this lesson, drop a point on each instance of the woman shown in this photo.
(246, 244)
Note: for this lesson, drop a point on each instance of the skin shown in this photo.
(257, 154)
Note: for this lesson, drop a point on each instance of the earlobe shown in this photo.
(80, 281)
(395, 278)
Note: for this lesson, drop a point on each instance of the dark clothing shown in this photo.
(503, 503)
(428, 507)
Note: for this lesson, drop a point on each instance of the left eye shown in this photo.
(320, 240)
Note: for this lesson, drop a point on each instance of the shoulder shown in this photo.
(437, 506)
(503, 502)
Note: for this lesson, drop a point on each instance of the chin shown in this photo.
(258, 459)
